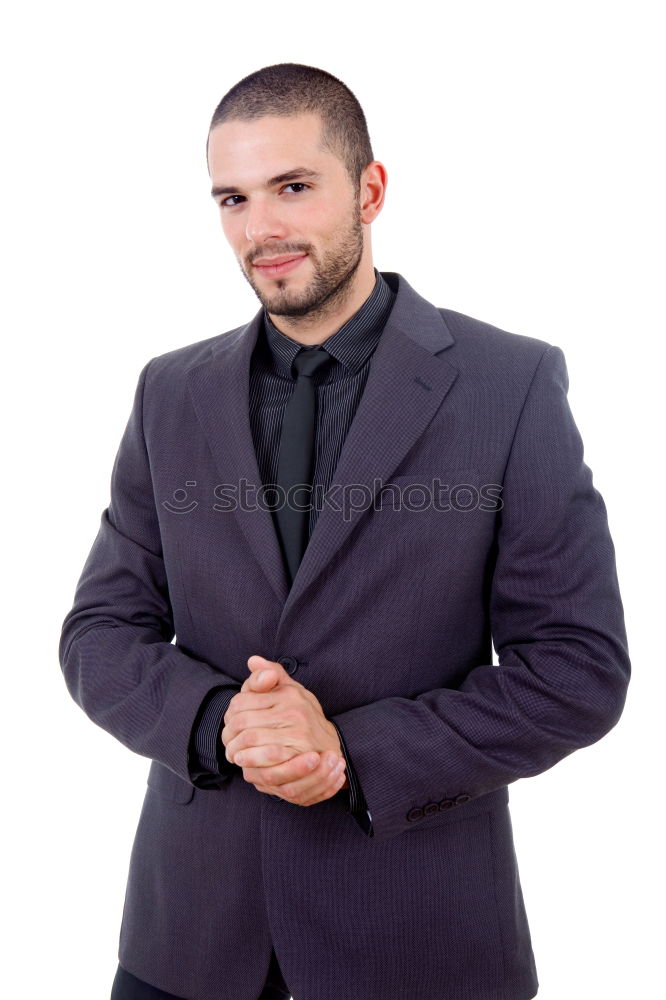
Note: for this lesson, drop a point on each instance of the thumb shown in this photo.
(265, 673)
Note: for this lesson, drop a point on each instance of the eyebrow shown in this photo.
(290, 175)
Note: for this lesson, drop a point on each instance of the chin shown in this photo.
(287, 302)
(283, 308)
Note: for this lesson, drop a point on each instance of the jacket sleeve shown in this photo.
(115, 647)
(557, 624)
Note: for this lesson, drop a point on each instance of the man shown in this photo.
(253, 516)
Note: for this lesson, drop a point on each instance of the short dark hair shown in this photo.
(291, 89)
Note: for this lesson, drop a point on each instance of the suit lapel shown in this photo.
(407, 382)
(220, 392)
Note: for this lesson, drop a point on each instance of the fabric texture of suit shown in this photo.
(390, 622)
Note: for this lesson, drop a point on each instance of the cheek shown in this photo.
(232, 232)
(233, 228)
(315, 221)
(323, 222)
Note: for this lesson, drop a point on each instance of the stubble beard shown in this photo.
(330, 285)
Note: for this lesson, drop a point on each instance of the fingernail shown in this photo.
(332, 761)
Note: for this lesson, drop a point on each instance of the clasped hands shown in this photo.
(276, 730)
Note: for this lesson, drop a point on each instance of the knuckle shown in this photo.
(299, 797)
(275, 754)
(237, 723)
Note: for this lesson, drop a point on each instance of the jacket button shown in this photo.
(446, 804)
(432, 807)
(462, 798)
(289, 663)
(415, 814)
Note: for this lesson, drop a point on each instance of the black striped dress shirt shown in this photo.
(339, 391)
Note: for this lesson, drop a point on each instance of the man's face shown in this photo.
(314, 220)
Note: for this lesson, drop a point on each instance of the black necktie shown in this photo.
(295, 457)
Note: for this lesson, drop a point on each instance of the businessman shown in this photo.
(336, 510)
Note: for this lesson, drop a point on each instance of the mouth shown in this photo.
(274, 270)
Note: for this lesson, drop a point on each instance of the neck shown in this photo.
(316, 327)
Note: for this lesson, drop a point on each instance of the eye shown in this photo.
(294, 184)
(223, 204)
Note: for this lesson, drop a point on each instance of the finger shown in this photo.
(245, 701)
(267, 756)
(256, 664)
(238, 736)
(254, 682)
(297, 782)
(320, 784)
(266, 710)
(305, 799)
(263, 678)
(289, 764)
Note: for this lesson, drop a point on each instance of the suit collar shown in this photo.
(407, 382)
(417, 319)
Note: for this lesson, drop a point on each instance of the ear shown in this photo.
(373, 190)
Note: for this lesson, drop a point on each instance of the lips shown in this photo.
(273, 270)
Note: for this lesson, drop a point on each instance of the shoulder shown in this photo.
(488, 353)
(165, 375)
(181, 359)
(477, 338)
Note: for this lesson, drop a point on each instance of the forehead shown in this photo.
(248, 150)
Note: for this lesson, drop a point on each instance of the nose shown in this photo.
(263, 223)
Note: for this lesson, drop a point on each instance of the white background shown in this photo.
(522, 144)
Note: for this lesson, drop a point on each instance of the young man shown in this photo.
(322, 614)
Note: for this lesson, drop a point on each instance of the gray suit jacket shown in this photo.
(389, 622)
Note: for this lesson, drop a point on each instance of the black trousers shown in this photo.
(128, 987)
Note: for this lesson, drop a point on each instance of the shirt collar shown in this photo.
(350, 346)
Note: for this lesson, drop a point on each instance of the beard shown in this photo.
(331, 283)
